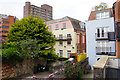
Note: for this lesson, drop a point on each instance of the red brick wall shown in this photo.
(117, 18)
(92, 14)
(82, 46)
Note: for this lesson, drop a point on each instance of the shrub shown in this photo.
(11, 53)
(73, 72)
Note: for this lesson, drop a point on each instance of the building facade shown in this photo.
(45, 11)
(5, 25)
(70, 36)
(100, 35)
(116, 10)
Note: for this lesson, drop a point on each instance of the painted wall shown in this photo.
(68, 47)
(69, 30)
(68, 25)
(91, 42)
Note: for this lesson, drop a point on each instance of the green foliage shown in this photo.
(74, 72)
(101, 6)
(11, 53)
(33, 38)
(30, 48)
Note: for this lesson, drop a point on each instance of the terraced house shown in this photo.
(5, 25)
(100, 35)
(70, 36)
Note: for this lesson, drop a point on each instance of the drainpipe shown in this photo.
(114, 26)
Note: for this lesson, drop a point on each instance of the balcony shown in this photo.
(104, 51)
(101, 36)
(64, 38)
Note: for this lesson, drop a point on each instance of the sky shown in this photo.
(78, 9)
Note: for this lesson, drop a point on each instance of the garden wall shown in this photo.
(26, 67)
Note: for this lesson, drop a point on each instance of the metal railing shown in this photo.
(103, 50)
(101, 35)
(63, 38)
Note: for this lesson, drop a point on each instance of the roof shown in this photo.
(92, 14)
(74, 22)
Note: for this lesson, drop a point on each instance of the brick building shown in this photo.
(116, 10)
(45, 11)
(70, 34)
(5, 25)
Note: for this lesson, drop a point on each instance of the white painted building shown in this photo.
(100, 35)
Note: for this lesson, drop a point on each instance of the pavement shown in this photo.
(38, 75)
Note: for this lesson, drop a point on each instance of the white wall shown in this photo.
(91, 40)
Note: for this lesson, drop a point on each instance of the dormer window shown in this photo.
(102, 15)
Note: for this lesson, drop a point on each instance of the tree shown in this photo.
(100, 7)
(33, 28)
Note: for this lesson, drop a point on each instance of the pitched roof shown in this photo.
(75, 23)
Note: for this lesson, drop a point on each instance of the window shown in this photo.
(5, 22)
(78, 51)
(4, 36)
(102, 32)
(103, 47)
(50, 28)
(98, 32)
(54, 35)
(60, 36)
(102, 15)
(4, 32)
(64, 25)
(68, 35)
(68, 53)
(56, 27)
(61, 53)
(83, 41)
(4, 26)
(82, 25)
(73, 47)
(68, 42)
(60, 43)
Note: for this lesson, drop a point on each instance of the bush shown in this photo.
(11, 53)
(73, 72)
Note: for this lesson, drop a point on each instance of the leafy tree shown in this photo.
(34, 37)
(11, 52)
(100, 7)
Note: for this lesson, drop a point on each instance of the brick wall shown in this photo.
(98, 73)
(26, 67)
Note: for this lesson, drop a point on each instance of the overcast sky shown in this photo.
(78, 9)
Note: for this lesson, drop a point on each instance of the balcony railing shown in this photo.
(101, 36)
(64, 38)
(103, 50)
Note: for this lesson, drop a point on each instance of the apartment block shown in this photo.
(45, 11)
(70, 36)
(5, 25)
(100, 35)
